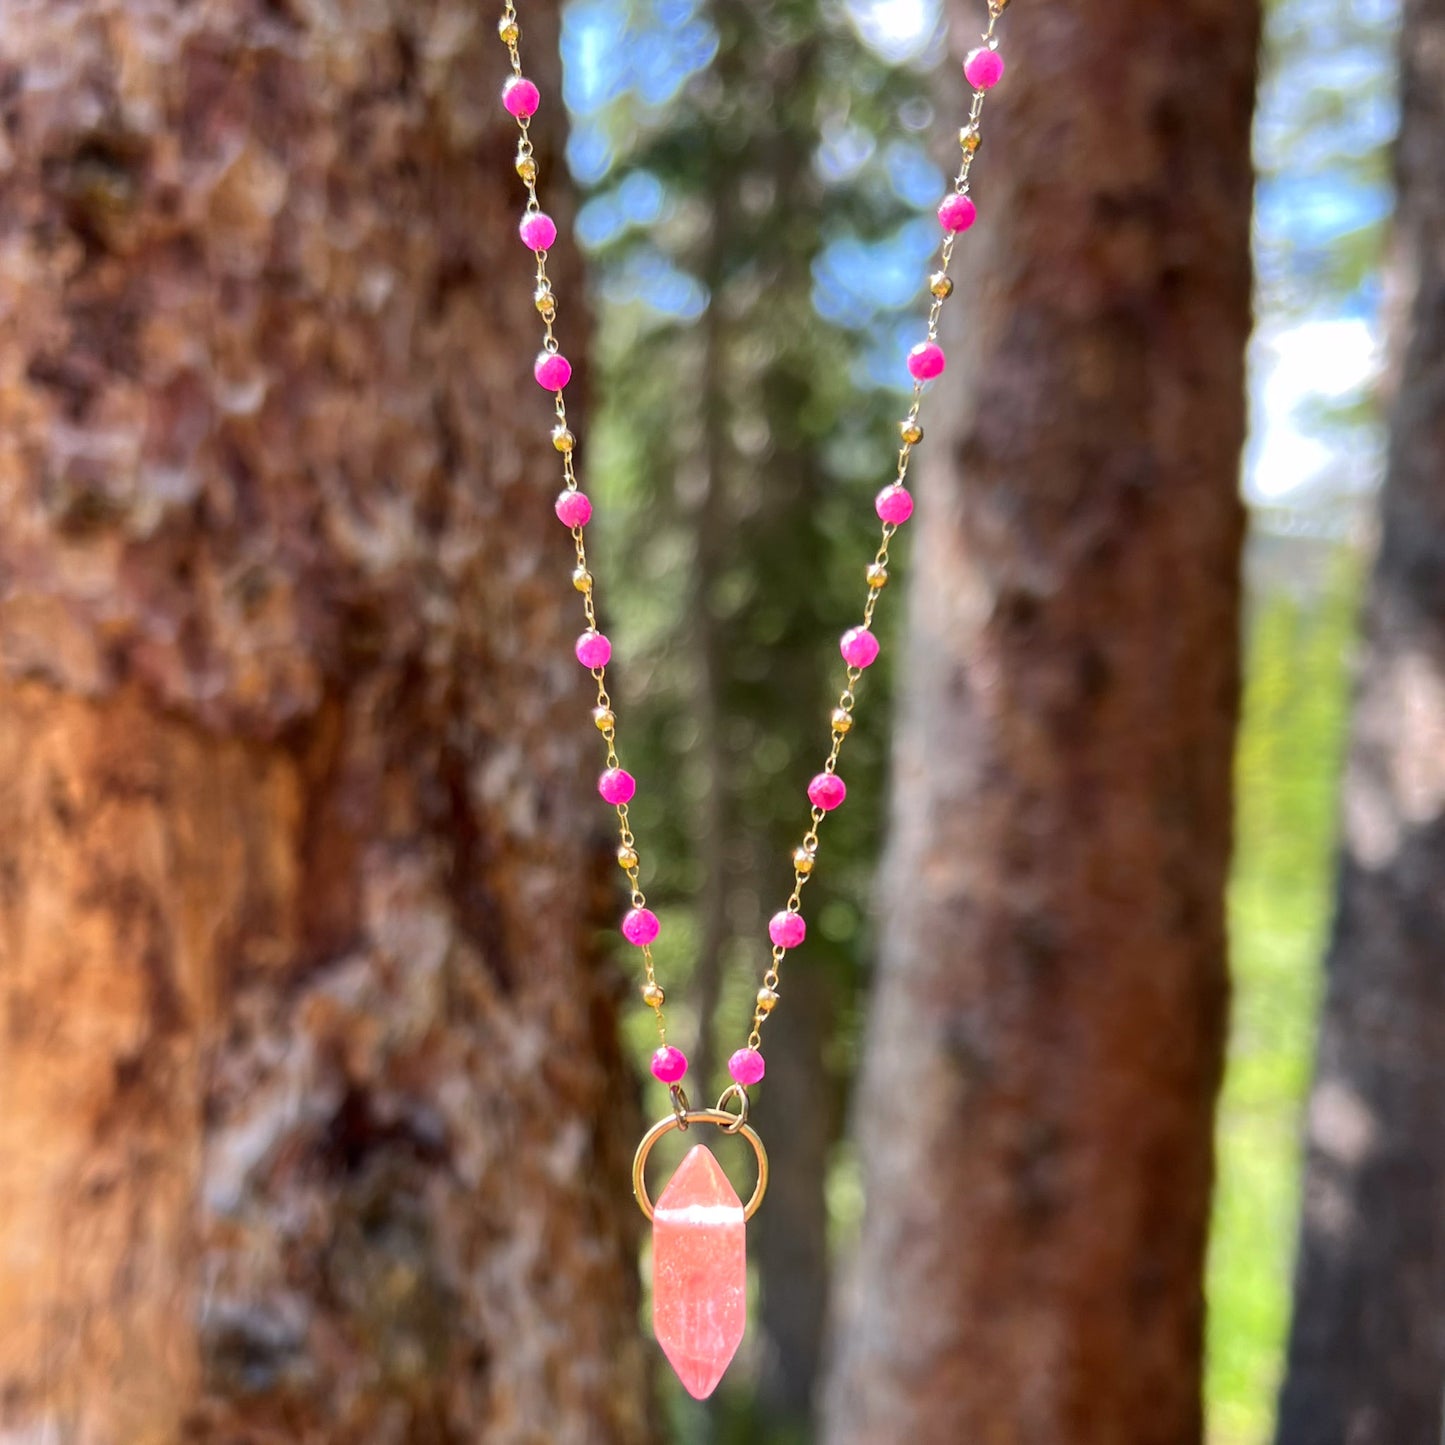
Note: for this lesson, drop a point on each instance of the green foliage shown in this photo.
(1327, 115)
(737, 450)
(737, 455)
(1287, 766)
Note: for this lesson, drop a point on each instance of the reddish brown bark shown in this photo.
(1036, 1105)
(1367, 1352)
(314, 1126)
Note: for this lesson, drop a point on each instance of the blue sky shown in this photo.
(1325, 112)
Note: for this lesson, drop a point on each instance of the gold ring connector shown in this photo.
(728, 1123)
(734, 1091)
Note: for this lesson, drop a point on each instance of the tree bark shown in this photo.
(1045, 1044)
(314, 1126)
(1366, 1361)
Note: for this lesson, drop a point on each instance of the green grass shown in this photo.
(1281, 896)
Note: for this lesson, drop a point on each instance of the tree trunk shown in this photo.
(1367, 1353)
(1036, 1103)
(314, 1127)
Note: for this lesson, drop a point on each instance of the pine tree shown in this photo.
(743, 440)
(313, 1118)
(1367, 1351)
(1046, 1035)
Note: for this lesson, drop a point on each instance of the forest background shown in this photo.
(650, 147)
(314, 1105)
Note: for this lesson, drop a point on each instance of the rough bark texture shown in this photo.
(313, 1124)
(1045, 1045)
(1367, 1353)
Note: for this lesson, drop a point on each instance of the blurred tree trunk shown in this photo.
(1046, 1039)
(314, 1128)
(1367, 1353)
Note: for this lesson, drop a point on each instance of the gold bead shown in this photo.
(526, 166)
(605, 718)
(970, 139)
(563, 439)
(509, 30)
(910, 431)
(627, 858)
(582, 579)
(767, 1000)
(940, 285)
(842, 721)
(877, 576)
(546, 301)
(653, 996)
(803, 861)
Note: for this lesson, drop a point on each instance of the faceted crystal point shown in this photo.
(699, 1272)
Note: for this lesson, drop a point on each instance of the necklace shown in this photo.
(699, 1259)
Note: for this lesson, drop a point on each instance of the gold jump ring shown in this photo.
(725, 1121)
(734, 1091)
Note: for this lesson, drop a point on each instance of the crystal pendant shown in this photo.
(699, 1272)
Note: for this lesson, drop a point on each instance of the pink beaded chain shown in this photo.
(983, 69)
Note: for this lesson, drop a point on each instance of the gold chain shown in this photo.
(941, 287)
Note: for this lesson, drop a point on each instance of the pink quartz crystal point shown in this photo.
(983, 68)
(957, 213)
(926, 361)
(574, 509)
(520, 96)
(699, 1273)
(538, 230)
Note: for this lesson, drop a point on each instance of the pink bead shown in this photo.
(894, 504)
(640, 926)
(520, 96)
(983, 68)
(787, 930)
(859, 647)
(554, 371)
(957, 213)
(669, 1064)
(926, 361)
(747, 1067)
(574, 509)
(617, 785)
(538, 230)
(593, 649)
(827, 791)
